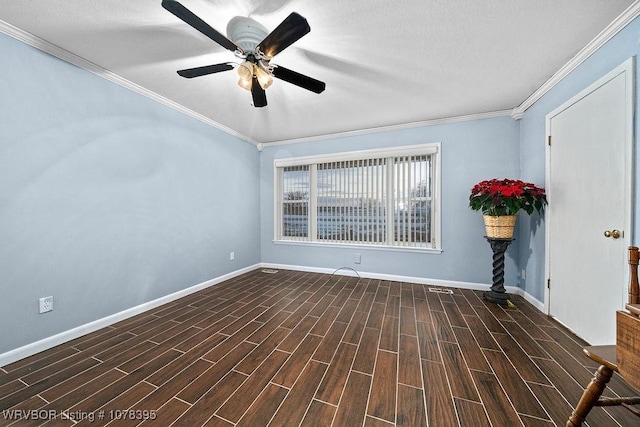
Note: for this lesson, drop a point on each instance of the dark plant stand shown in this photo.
(497, 294)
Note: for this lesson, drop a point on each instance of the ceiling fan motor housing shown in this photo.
(246, 33)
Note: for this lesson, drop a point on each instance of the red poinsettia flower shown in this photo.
(507, 197)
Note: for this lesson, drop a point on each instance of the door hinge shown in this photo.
(549, 140)
(548, 283)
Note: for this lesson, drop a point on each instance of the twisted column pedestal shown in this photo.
(497, 294)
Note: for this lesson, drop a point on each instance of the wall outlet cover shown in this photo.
(46, 304)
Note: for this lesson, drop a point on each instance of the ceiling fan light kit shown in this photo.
(245, 70)
(254, 48)
(245, 84)
(264, 77)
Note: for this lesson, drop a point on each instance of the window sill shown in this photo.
(435, 251)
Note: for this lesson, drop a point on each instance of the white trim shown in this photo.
(605, 35)
(67, 56)
(406, 150)
(568, 328)
(436, 208)
(433, 149)
(530, 299)
(74, 59)
(52, 341)
(277, 188)
(403, 126)
(420, 249)
(347, 271)
(516, 113)
(627, 68)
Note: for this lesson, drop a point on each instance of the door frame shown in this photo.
(628, 69)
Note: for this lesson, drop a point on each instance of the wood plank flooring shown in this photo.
(307, 349)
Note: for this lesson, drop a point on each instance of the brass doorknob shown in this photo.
(613, 233)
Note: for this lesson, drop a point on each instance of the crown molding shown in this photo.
(403, 126)
(604, 36)
(516, 113)
(74, 59)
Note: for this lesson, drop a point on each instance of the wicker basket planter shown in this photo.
(499, 227)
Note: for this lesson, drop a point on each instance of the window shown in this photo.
(376, 198)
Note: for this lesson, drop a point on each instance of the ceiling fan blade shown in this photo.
(203, 71)
(291, 29)
(298, 79)
(190, 18)
(258, 94)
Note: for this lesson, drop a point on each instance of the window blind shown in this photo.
(352, 201)
(295, 202)
(383, 200)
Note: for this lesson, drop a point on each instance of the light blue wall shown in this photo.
(471, 151)
(532, 142)
(109, 199)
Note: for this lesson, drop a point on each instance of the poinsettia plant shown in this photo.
(507, 197)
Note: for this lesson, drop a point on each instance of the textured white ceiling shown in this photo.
(385, 63)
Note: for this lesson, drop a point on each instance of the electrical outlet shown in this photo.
(357, 258)
(232, 256)
(523, 273)
(46, 304)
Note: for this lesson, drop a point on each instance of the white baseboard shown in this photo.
(52, 341)
(348, 271)
(532, 300)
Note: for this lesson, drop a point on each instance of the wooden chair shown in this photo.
(623, 357)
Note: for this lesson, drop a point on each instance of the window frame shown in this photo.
(433, 149)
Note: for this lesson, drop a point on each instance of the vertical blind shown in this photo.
(295, 202)
(373, 201)
(412, 190)
(352, 201)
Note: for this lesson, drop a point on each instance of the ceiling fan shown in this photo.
(255, 70)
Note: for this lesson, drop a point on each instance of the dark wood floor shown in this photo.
(293, 349)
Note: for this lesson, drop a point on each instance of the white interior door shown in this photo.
(589, 187)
